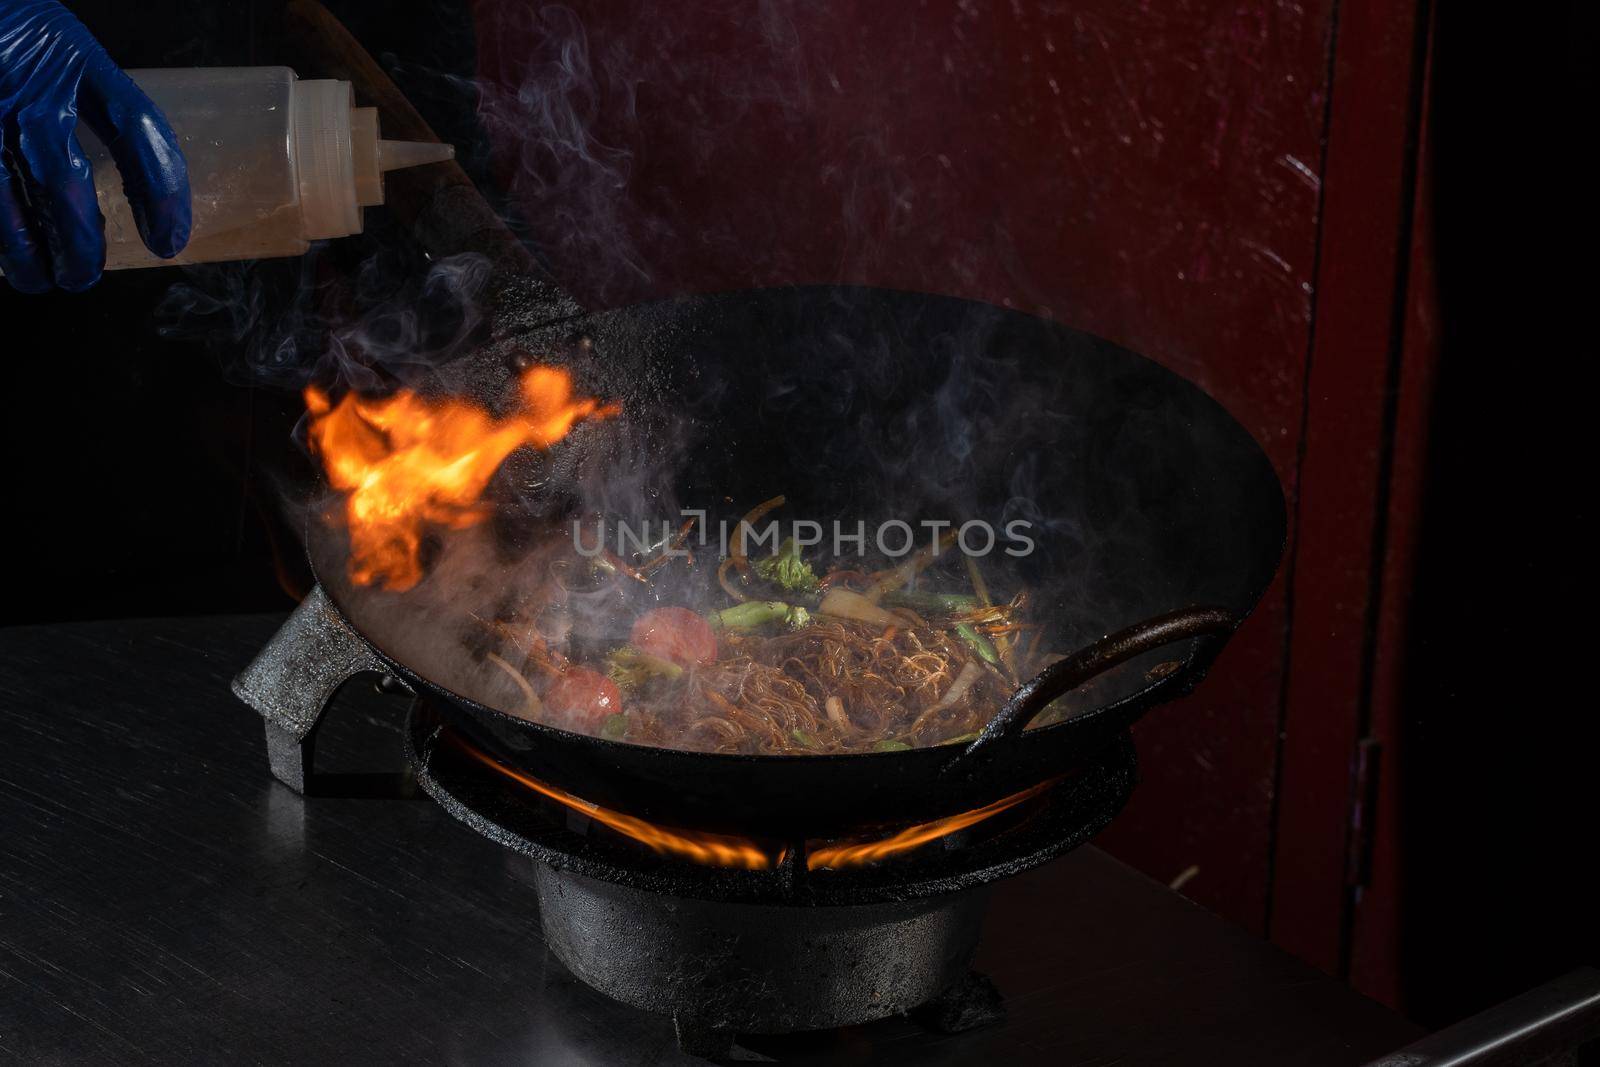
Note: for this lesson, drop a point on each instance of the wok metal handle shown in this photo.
(1067, 674)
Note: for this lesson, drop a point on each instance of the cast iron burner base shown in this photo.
(717, 967)
(972, 1002)
(724, 951)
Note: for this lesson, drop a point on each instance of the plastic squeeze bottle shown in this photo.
(274, 163)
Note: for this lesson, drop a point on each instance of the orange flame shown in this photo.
(713, 850)
(407, 461)
(849, 855)
(723, 850)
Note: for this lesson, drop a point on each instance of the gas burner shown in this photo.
(723, 934)
(765, 937)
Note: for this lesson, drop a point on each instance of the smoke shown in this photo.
(289, 323)
(653, 152)
(587, 140)
(549, 154)
(857, 407)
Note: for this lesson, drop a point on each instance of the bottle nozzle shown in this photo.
(371, 156)
(394, 155)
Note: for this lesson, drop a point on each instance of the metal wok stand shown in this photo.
(291, 684)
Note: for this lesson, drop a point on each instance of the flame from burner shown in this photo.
(712, 850)
(406, 461)
(723, 850)
(851, 855)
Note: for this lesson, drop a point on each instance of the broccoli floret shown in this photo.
(788, 571)
(630, 668)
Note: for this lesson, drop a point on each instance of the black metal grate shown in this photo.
(1057, 820)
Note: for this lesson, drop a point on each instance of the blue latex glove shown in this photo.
(52, 72)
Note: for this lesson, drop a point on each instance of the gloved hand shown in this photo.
(51, 72)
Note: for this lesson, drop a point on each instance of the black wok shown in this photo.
(1155, 517)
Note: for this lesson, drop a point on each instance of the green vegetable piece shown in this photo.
(750, 615)
(979, 644)
(918, 600)
(788, 571)
(803, 739)
(614, 727)
(961, 739)
(891, 746)
(797, 618)
(630, 668)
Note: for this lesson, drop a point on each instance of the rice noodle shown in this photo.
(834, 686)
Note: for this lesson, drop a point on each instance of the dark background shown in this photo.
(146, 474)
(1502, 797)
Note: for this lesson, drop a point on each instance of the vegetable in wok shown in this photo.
(805, 656)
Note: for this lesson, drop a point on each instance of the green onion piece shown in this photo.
(979, 643)
(918, 600)
(614, 727)
(961, 739)
(803, 739)
(891, 746)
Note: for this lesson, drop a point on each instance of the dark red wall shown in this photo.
(1148, 172)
